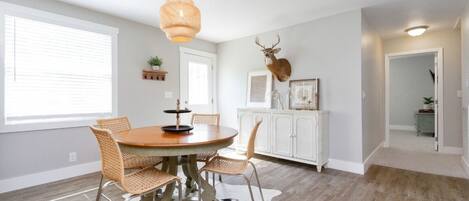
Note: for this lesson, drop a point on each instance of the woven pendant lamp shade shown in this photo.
(180, 20)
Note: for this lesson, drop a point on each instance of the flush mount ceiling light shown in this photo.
(416, 31)
(180, 20)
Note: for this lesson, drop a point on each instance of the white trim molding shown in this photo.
(465, 165)
(16, 183)
(451, 150)
(347, 166)
(402, 128)
(369, 160)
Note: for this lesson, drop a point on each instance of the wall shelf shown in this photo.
(154, 75)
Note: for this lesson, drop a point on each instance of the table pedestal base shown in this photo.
(194, 179)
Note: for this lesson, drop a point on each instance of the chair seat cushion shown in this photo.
(204, 157)
(224, 165)
(135, 161)
(146, 179)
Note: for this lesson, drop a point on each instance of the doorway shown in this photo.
(197, 82)
(414, 93)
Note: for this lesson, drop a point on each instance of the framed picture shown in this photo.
(304, 94)
(259, 89)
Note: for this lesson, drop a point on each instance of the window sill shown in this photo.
(27, 126)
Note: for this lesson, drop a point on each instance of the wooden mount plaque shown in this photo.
(154, 75)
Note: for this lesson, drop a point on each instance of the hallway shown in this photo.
(408, 140)
(426, 162)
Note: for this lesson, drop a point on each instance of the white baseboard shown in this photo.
(35, 179)
(465, 165)
(451, 150)
(402, 128)
(346, 166)
(369, 160)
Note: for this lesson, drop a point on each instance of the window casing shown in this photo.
(56, 71)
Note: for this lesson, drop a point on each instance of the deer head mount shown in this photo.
(281, 68)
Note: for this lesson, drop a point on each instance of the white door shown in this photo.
(263, 133)
(245, 126)
(305, 135)
(282, 132)
(196, 83)
(436, 102)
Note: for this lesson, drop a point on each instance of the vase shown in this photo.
(427, 106)
(156, 67)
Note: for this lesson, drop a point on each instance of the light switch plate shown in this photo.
(459, 94)
(168, 94)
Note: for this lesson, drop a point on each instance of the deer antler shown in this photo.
(278, 41)
(258, 43)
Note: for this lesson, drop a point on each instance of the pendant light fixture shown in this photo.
(180, 20)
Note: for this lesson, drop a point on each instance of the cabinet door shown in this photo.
(245, 125)
(305, 137)
(282, 130)
(263, 133)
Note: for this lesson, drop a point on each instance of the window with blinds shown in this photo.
(54, 72)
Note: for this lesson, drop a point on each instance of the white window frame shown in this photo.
(47, 17)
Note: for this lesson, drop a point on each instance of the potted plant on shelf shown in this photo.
(155, 63)
(428, 103)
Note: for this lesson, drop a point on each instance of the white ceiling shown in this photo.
(224, 20)
(392, 18)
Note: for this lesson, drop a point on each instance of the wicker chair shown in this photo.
(120, 124)
(137, 183)
(237, 166)
(207, 119)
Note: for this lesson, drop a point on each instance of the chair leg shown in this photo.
(257, 178)
(100, 188)
(249, 186)
(213, 179)
(179, 183)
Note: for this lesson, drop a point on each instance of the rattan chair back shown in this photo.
(112, 164)
(252, 141)
(209, 119)
(115, 125)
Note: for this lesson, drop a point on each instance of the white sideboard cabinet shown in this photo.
(295, 135)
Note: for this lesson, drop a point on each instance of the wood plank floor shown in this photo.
(299, 182)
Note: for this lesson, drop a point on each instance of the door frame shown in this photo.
(439, 87)
(213, 57)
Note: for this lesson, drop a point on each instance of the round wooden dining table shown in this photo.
(178, 148)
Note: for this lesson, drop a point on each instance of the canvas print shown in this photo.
(259, 89)
(304, 94)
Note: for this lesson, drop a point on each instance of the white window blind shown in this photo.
(54, 72)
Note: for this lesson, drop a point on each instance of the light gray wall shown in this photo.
(410, 81)
(141, 100)
(465, 77)
(373, 89)
(327, 48)
(450, 41)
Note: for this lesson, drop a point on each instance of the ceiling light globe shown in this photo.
(416, 31)
(180, 20)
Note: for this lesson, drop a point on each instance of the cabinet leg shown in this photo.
(319, 168)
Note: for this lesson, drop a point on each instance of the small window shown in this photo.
(55, 73)
(198, 83)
